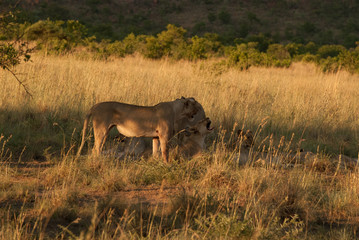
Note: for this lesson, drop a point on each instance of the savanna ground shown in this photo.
(48, 193)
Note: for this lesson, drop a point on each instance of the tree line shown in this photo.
(64, 37)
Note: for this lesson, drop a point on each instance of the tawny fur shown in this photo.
(158, 122)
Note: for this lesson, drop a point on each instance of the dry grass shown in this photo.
(47, 193)
(320, 108)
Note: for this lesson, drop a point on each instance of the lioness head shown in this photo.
(200, 130)
(190, 108)
(245, 139)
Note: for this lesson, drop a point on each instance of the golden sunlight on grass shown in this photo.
(48, 193)
(320, 108)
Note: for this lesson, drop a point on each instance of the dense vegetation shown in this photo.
(299, 21)
(61, 37)
(255, 33)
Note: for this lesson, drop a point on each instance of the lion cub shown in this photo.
(193, 138)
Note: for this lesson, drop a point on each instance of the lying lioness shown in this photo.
(156, 121)
(193, 139)
(192, 142)
(244, 139)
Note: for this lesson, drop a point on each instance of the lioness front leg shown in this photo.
(164, 149)
(155, 147)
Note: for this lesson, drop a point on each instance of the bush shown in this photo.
(309, 58)
(211, 17)
(166, 44)
(153, 48)
(245, 55)
(224, 17)
(278, 56)
(311, 48)
(329, 64)
(130, 44)
(278, 52)
(199, 27)
(57, 36)
(199, 48)
(295, 49)
(349, 60)
(257, 50)
(330, 58)
(262, 40)
(330, 51)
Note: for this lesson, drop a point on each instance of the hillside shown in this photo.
(323, 22)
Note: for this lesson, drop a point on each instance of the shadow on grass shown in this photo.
(35, 134)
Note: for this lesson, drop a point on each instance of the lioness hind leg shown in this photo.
(100, 135)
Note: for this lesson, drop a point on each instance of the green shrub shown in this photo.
(44, 30)
(104, 31)
(262, 40)
(199, 27)
(57, 36)
(75, 31)
(131, 43)
(308, 28)
(349, 60)
(245, 56)
(243, 29)
(167, 43)
(127, 46)
(252, 17)
(224, 17)
(330, 58)
(309, 58)
(199, 48)
(295, 49)
(329, 64)
(278, 51)
(330, 51)
(153, 48)
(278, 56)
(311, 48)
(115, 49)
(211, 17)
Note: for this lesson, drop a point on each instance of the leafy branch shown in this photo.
(13, 50)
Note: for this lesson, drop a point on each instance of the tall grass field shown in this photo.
(46, 192)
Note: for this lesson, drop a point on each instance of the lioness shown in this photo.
(156, 121)
(193, 139)
(245, 139)
(137, 146)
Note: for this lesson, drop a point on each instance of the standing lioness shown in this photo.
(156, 121)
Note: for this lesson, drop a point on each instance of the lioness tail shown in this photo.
(84, 133)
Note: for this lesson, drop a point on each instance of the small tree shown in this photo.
(13, 50)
